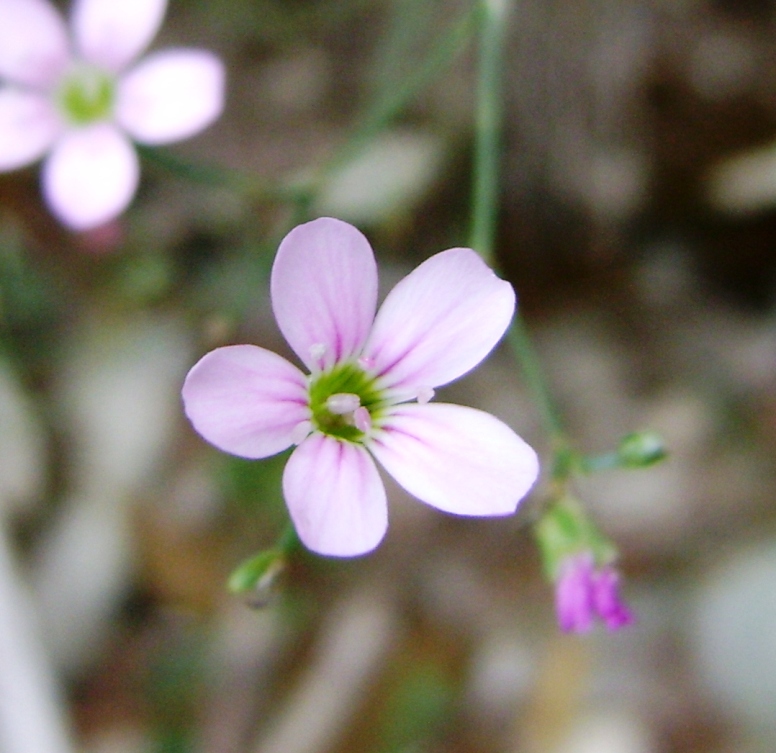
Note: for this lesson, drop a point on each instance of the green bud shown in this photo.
(564, 530)
(641, 449)
(256, 578)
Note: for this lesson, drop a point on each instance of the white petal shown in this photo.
(324, 291)
(439, 322)
(34, 47)
(90, 176)
(171, 95)
(457, 459)
(246, 400)
(28, 127)
(112, 33)
(335, 496)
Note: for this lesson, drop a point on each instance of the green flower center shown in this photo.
(87, 95)
(330, 395)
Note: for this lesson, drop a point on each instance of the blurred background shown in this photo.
(638, 224)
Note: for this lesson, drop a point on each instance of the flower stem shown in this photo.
(487, 154)
(387, 107)
(487, 129)
(523, 349)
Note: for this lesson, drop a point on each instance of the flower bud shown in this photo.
(256, 578)
(641, 449)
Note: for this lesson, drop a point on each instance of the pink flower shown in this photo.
(78, 96)
(584, 591)
(356, 405)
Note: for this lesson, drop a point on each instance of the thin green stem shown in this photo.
(523, 349)
(487, 153)
(488, 120)
(391, 104)
(376, 117)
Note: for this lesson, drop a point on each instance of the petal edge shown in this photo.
(440, 321)
(335, 497)
(171, 95)
(324, 291)
(245, 400)
(457, 459)
(90, 176)
(112, 34)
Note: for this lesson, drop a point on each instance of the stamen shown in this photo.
(342, 403)
(425, 394)
(301, 431)
(317, 352)
(362, 419)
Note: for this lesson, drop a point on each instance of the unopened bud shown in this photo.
(641, 449)
(256, 578)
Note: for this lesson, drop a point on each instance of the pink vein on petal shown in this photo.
(335, 497)
(455, 458)
(440, 321)
(324, 290)
(246, 400)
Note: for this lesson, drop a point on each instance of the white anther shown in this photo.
(317, 352)
(342, 403)
(362, 420)
(425, 394)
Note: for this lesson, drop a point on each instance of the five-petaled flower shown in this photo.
(584, 590)
(78, 96)
(367, 395)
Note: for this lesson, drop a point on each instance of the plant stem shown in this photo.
(487, 152)
(386, 108)
(487, 128)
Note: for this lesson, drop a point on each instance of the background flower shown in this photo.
(78, 95)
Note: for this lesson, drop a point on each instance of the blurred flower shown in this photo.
(438, 323)
(578, 559)
(583, 591)
(78, 96)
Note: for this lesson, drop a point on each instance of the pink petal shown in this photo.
(90, 176)
(34, 47)
(335, 497)
(245, 400)
(440, 321)
(457, 459)
(112, 33)
(171, 95)
(324, 291)
(28, 127)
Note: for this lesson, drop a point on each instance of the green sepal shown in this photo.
(564, 530)
(256, 576)
(641, 449)
(637, 450)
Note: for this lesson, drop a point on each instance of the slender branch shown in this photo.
(488, 123)
(485, 191)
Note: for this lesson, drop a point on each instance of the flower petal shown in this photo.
(170, 95)
(90, 176)
(574, 594)
(440, 321)
(112, 34)
(457, 459)
(28, 127)
(324, 291)
(245, 400)
(33, 42)
(335, 496)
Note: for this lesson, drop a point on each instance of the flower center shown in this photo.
(87, 95)
(344, 402)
